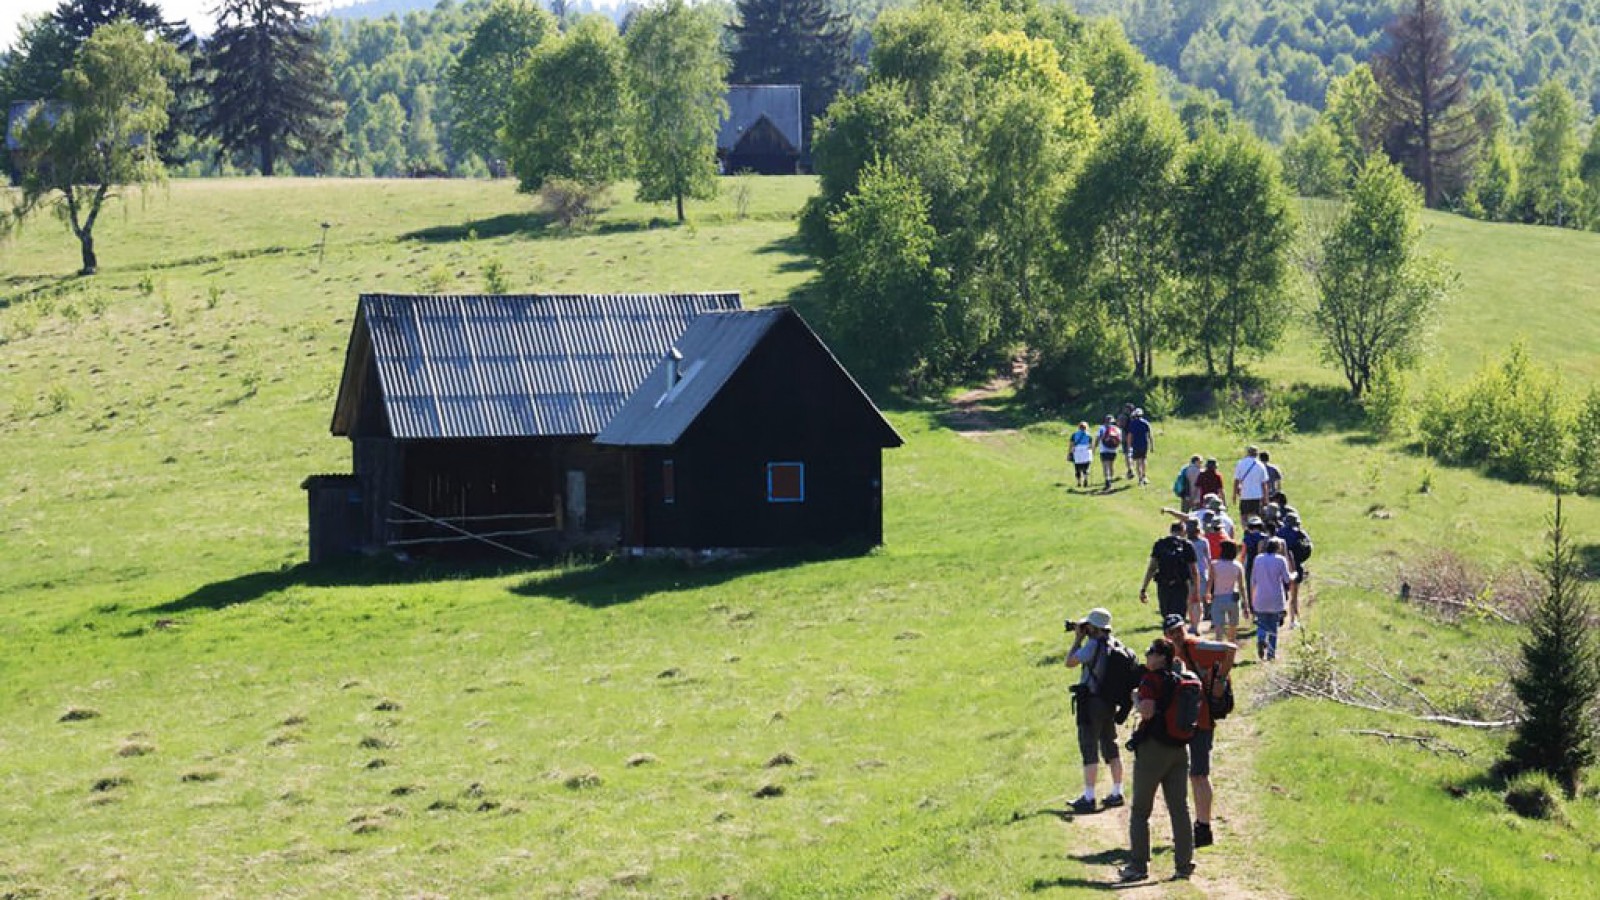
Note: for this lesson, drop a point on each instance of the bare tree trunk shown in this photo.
(679, 198)
(267, 159)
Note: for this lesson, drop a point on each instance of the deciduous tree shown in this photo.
(1116, 227)
(100, 137)
(570, 109)
(677, 74)
(502, 41)
(269, 89)
(1376, 289)
(1234, 230)
(1550, 187)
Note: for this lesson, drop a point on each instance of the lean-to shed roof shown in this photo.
(711, 351)
(529, 365)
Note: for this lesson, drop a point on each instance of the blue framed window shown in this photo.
(786, 482)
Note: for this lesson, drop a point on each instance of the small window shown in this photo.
(786, 482)
(669, 482)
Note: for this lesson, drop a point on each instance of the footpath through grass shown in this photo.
(604, 730)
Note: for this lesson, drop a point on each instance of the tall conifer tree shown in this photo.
(804, 42)
(1424, 96)
(270, 91)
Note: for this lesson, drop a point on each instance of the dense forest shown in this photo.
(1273, 59)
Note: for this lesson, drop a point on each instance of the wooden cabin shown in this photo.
(471, 419)
(751, 434)
(763, 130)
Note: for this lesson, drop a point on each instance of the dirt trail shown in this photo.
(970, 415)
(1232, 869)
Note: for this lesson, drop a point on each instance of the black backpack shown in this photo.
(1223, 705)
(1300, 546)
(1172, 560)
(1120, 678)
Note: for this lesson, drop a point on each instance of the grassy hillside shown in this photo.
(601, 731)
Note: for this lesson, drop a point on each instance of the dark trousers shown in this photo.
(1158, 765)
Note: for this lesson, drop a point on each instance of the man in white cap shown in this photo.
(1096, 712)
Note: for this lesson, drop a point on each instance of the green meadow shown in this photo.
(891, 725)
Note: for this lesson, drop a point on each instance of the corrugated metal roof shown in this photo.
(749, 103)
(532, 365)
(713, 348)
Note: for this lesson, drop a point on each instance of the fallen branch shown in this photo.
(1427, 742)
(1312, 693)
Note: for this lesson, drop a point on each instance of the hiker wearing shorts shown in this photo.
(1173, 567)
(1107, 439)
(1096, 712)
(1212, 661)
(1141, 442)
(1081, 454)
(1157, 764)
(1227, 589)
(1297, 544)
(1270, 578)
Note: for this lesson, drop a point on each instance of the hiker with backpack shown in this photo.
(1209, 481)
(1108, 439)
(1123, 418)
(1141, 443)
(1100, 699)
(1183, 487)
(1176, 572)
(1212, 661)
(1298, 545)
(1169, 701)
(1081, 454)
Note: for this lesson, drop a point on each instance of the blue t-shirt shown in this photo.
(1139, 433)
(1081, 437)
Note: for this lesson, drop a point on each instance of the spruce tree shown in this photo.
(804, 42)
(1560, 677)
(269, 88)
(1424, 96)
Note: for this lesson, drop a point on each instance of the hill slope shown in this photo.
(604, 730)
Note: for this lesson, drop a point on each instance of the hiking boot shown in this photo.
(1112, 800)
(1202, 834)
(1082, 805)
(1131, 873)
(1184, 872)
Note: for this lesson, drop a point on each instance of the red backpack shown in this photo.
(1179, 708)
(1110, 437)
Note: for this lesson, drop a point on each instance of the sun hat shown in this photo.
(1254, 520)
(1099, 617)
(1138, 411)
(1213, 502)
(1171, 621)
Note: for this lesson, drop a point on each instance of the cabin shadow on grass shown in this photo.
(618, 580)
(355, 573)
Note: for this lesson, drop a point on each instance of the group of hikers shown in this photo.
(1209, 574)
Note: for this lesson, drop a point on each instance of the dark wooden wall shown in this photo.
(789, 402)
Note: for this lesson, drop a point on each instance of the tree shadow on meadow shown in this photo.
(792, 246)
(619, 580)
(527, 224)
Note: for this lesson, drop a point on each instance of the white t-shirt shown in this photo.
(1251, 477)
(1082, 453)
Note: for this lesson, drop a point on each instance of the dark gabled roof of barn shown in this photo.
(748, 104)
(713, 349)
(529, 365)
